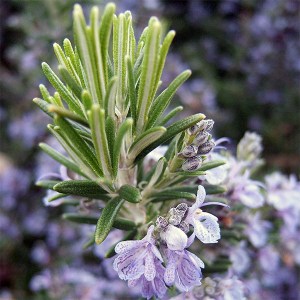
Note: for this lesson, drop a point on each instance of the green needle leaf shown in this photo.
(169, 116)
(97, 123)
(110, 128)
(104, 31)
(214, 189)
(148, 75)
(78, 144)
(107, 218)
(76, 89)
(132, 91)
(72, 102)
(143, 141)
(47, 184)
(44, 106)
(67, 114)
(163, 100)
(211, 165)
(119, 223)
(158, 171)
(84, 188)
(130, 193)
(171, 195)
(61, 158)
(124, 128)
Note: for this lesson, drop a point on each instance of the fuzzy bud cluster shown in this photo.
(201, 145)
(175, 217)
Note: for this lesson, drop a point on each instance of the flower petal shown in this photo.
(200, 197)
(188, 274)
(175, 238)
(147, 289)
(195, 259)
(159, 287)
(156, 252)
(169, 276)
(130, 265)
(207, 228)
(127, 245)
(150, 270)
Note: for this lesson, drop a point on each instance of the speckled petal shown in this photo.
(200, 198)
(207, 228)
(150, 270)
(169, 276)
(127, 245)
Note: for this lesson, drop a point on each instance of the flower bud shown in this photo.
(249, 147)
(209, 124)
(193, 129)
(201, 138)
(192, 164)
(161, 223)
(184, 226)
(189, 151)
(206, 147)
(182, 207)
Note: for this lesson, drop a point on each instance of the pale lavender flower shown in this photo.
(206, 227)
(137, 258)
(231, 288)
(283, 192)
(257, 229)
(240, 259)
(41, 281)
(247, 191)
(269, 258)
(154, 287)
(216, 175)
(183, 270)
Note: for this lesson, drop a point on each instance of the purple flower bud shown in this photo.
(182, 207)
(184, 226)
(201, 138)
(161, 222)
(206, 147)
(209, 124)
(189, 151)
(192, 164)
(194, 129)
(175, 217)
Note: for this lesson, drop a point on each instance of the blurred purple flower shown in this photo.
(257, 229)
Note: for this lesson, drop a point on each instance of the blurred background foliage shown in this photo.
(245, 58)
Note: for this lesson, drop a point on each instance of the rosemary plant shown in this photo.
(109, 113)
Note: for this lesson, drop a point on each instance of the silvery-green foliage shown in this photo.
(108, 113)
